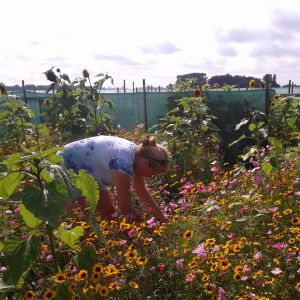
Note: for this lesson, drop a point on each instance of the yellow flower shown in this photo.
(208, 288)
(133, 284)
(287, 211)
(295, 220)
(82, 275)
(103, 291)
(141, 261)
(97, 268)
(29, 295)
(251, 83)
(237, 276)
(60, 278)
(188, 234)
(297, 287)
(49, 294)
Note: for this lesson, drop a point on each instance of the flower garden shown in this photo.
(233, 230)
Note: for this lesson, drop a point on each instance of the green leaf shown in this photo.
(70, 237)
(9, 183)
(238, 140)
(275, 162)
(20, 255)
(252, 127)
(12, 160)
(63, 293)
(275, 142)
(267, 168)
(5, 287)
(86, 259)
(89, 188)
(30, 220)
(49, 205)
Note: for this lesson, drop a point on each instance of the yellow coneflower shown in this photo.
(75, 297)
(103, 290)
(295, 220)
(72, 287)
(205, 278)
(89, 288)
(287, 211)
(208, 288)
(188, 234)
(297, 287)
(237, 276)
(29, 295)
(210, 242)
(49, 294)
(224, 264)
(97, 268)
(141, 261)
(291, 241)
(82, 275)
(95, 277)
(131, 254)
(133, 284)
(111, 270)
(175, 218)
(60, 278)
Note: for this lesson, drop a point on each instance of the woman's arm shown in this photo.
(123, 182)
(145, 196)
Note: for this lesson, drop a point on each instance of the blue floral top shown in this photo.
(100, 155)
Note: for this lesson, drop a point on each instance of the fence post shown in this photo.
(145, 105)
(267, 101)
(133, 86)
(24, 91)
(124, 87)
(289, 90)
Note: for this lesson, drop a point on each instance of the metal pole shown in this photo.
(24, 91)
(145, 105)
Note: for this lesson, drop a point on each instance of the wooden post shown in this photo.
(289, 90)
(148, 88)
(292, 88)
(151, 88)
(267, 101)
(136, 90)
(133, 86)
(145, 105)
(24, 91)
(124, 86)
(118, 90)
(159, 88)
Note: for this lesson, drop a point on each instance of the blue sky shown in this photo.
(153, 40)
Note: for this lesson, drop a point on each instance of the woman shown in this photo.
(119, 162)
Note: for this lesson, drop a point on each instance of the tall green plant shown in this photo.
(42, 188)
(190, 134)
(15, 118)
(76, 109)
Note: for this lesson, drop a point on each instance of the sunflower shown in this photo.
(188, 234)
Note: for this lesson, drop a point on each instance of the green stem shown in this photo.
(52, 248)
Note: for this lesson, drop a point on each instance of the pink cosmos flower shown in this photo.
(190, 277)
(221, 294)
(179, 263)
(276, 271)
(259, 179)
(279, 246)
(215, 170)
(258, 257)
(160, 266)
(200, 251)
(131, 232)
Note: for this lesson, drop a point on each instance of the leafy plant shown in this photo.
(42, 188)
(190, 134)
(76, 109)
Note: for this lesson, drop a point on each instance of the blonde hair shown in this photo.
(157, 154)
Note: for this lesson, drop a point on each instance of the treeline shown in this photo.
(221, 80)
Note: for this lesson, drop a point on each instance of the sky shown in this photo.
(153, 40)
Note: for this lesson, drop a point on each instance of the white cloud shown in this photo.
(153, 40)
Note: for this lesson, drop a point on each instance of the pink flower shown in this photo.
(179, 263)
(183, 180)
(221, 294)
(17, 210)
(276, 271)
(259, 179)
(150, 221)
(278, 246)
(258, 257)
(200, 251)
(190, 277)
(160, 266)
(131, 232)
(215, 170)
